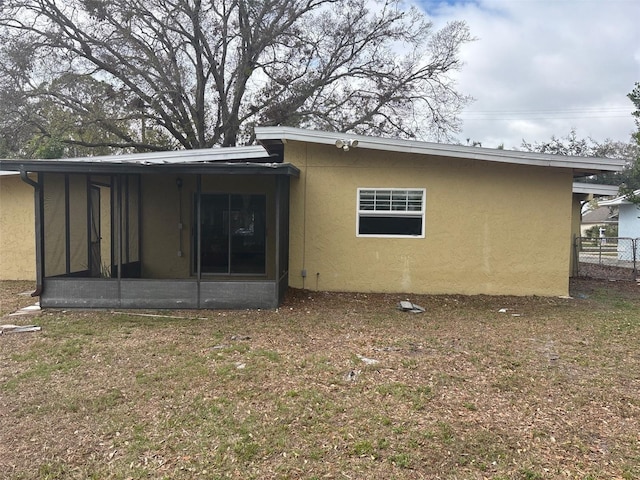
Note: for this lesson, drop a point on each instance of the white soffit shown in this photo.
(595, 189)
(443, 150)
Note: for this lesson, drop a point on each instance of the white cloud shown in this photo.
(542, 67)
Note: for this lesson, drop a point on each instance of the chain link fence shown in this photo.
(613, 258)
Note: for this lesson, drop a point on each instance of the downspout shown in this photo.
(304, 218)
(37, 195)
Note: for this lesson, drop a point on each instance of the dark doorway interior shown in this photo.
(233, 234)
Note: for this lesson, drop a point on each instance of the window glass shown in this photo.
(248, 239)
(392, 212)
(233, 234)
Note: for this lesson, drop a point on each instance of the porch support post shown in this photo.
(198, 256)
(118, 225)
(278, 233)
(90, 262)
(67, 227)
(198, 228)
(282, 237)
(39, 230)
(139, 225)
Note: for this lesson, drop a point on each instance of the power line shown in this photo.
(549, 114)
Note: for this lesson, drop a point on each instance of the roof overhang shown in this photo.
(253, 160)
(595, 189)
(273, 137)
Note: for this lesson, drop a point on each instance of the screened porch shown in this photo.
(174, 235)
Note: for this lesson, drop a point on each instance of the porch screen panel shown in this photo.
(214, 231)
(248, 233)
(54, 224)
(78, 225)
(133, 237)
(233, 234)
(105, 228)
(126, 234)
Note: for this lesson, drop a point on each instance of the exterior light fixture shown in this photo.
(346, 145)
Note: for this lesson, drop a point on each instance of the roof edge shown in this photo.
(215, 154)
(595, 189)
(266, 135)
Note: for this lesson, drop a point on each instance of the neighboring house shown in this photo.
(583, 193)
(235, 227)
(17, 241)
(628, 225)
(600, 217)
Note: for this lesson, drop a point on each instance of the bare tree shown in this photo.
(628, 179)
(158, 74)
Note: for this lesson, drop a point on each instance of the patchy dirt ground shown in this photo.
(15, 295)
(331, 385)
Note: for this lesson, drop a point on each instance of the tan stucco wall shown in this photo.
(53, 186)
(17, 229)
(78, 223)
(161, 237)
(161, 216)
(490, 228)
(105, 230)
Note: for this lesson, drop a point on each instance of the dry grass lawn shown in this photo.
(340, 386)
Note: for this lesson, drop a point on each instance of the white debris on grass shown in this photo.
(368, 361)
(30, 310)
(407, 306)
(19, 328)
(240, 337)
(506, 310)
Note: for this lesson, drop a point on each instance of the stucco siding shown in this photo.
(161, 215)
(17, 229)
(105, 230)
(161, 236)
(78, 235)
(490, 228)
(54, 224)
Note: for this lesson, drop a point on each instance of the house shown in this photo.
(599, 217)
(17, 260)
(235, 227)
(628, 225)
(584, 193)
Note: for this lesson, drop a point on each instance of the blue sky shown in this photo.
(542, 67)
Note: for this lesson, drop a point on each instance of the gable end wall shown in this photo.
(491, 228)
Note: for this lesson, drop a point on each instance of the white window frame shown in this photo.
(388, 209)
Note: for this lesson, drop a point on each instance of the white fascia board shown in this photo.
(595, 189)
(6, 173)
(218, 154)
(443, 150)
